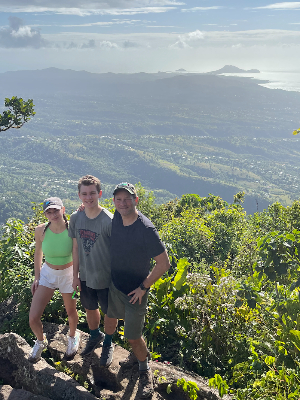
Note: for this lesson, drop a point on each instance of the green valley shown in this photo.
(175, 134)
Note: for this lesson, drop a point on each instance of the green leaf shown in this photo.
(238, 303)
(251, 303)
(294, 285)
(169, 390)
(247, 295)
(290, 236)
(180, 277)
(269, 360)
(256, 365)
(295, 338)
(161, 286)
(282, 269)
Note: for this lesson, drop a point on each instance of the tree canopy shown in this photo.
(19, 112)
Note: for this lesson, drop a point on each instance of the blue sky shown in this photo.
(149, 35)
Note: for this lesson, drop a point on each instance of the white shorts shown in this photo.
(60, 279)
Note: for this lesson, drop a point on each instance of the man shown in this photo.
(134, 242)
(91, 230)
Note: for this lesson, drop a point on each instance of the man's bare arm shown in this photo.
(162, 265)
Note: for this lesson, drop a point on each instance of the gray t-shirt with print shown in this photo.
(93, 239)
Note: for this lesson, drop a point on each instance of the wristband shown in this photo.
(142, 286)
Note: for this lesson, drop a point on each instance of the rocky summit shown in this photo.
(24, 380)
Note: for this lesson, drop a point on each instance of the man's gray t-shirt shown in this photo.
(93, 239)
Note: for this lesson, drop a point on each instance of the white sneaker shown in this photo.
(73, 345)
(37, 349)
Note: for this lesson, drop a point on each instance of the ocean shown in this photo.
(277, 80)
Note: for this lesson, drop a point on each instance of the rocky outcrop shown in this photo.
(113, 383)
(39, 378)
(9, 393)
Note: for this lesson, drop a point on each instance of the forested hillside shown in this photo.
(195, 133)
(228, 308)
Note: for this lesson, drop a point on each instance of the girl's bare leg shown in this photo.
(40, 299)
(70, 305)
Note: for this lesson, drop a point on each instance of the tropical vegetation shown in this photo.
(19, 112)
(228, 308)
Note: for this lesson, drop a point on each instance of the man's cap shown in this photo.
(52, 202)
(126, 186)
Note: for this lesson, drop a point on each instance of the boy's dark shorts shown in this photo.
(92, 298)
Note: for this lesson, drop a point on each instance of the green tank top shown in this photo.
(57, 247)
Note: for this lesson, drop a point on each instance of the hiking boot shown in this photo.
(107, 355)
(146, 383)
(131, 360)
(37, 349)
(92, 343)
(73, 345)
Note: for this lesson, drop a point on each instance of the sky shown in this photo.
(149, 35)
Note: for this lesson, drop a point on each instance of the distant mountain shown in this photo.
(205, 89)
(176, 133)
(231, 69)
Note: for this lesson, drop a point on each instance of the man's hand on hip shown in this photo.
(137, 295)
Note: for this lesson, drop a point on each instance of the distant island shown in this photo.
(231, 69)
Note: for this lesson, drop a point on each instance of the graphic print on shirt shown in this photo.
(88, 239)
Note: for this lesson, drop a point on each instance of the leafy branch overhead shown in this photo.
(19, 112)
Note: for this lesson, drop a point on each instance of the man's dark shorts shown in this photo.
(91, 298)
(132, 314)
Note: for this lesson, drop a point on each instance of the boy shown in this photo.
(91, 230)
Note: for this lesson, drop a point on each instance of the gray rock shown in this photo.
(40, 378)
(113, 383)
(116, 383)
(8, 393)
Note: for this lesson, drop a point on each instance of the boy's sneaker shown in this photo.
(146, 383)
(73, 345)
(37, 349)
(92, 343)
(107, 355)
(131, 360)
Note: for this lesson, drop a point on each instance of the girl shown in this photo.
(52, 240)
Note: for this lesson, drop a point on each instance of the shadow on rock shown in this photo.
(112, 383)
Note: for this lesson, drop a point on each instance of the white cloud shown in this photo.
(258, 37)
(92, 7)
(288, 5)
(90, 4)
(108, 23)
(181, 43)
(236, 46)
(130, 45)
(23, 31)
(106, 44)
(18, 35)
(190, 40)
(196, 35)
(268, 38)
(160, 26)
(194, 9)
(71, 45)
(89, 45)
